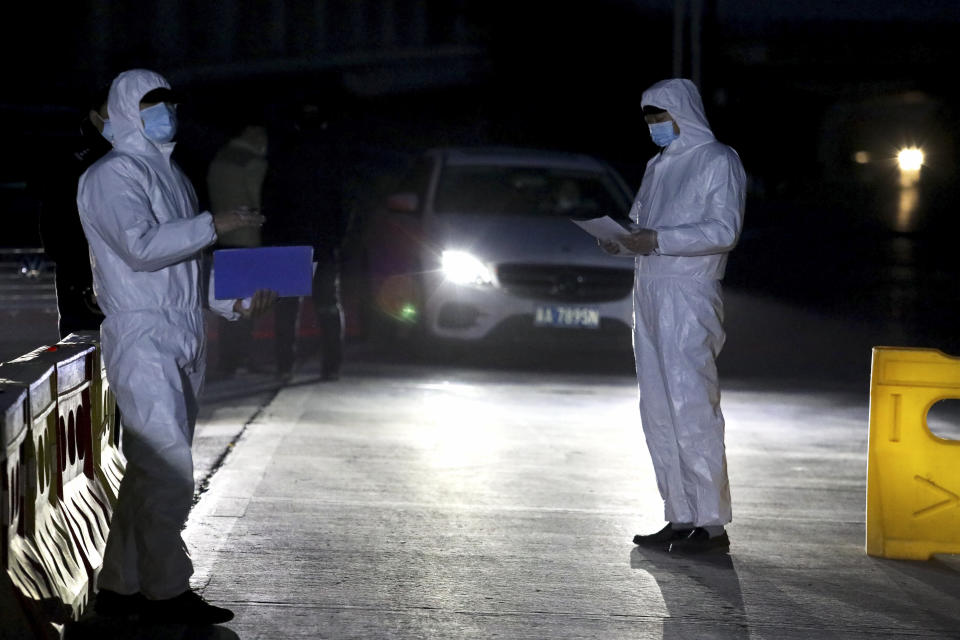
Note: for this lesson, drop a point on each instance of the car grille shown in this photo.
(566, 283)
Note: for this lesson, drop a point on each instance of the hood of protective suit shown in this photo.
(681, 99)
(123, 104)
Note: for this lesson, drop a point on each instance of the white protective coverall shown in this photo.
(139, 213)
(692, 194)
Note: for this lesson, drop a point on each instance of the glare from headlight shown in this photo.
(910, 159)
(460, 267)
(408, 313)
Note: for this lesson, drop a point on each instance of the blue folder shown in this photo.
(239, 273)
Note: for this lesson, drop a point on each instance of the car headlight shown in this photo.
(910, 159)
(460, 267)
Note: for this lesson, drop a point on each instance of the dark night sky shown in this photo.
(565, 73)
(618, 37)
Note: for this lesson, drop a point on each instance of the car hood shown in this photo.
(521, 239)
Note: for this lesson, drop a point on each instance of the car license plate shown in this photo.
(564, 316)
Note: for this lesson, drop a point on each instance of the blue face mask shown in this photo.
(159, 122)
(663, 133)
(107, 132)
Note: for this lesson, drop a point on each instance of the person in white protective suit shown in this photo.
(688, 215)
(139, 214)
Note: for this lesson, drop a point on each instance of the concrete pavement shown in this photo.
(440, 501)
(425, 502)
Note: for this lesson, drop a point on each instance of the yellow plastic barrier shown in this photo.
(43, 559)
(62, 467)
(84, 502)
(913, 476)
(108, 460)
(14, 432)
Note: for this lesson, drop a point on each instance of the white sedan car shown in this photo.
(480, 244)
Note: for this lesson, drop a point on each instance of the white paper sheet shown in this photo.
(605, 228)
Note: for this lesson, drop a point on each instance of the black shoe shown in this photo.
(111, 604)
(186, 608)
(661, 538)
(699, 541)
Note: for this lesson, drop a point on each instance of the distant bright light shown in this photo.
(910, 159)
(861, 157)
(461, 267)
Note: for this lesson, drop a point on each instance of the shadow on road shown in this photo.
(97, 628)
(691, 586)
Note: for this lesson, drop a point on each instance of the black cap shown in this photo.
(161, 94)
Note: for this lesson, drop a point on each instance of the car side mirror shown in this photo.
(407, 202)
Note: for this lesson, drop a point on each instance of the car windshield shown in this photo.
(499, 190)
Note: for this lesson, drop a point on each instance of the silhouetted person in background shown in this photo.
(55, 185)
(235, 181)
(303, 204)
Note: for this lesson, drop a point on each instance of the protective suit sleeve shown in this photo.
(719, 228)
(126, 222)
